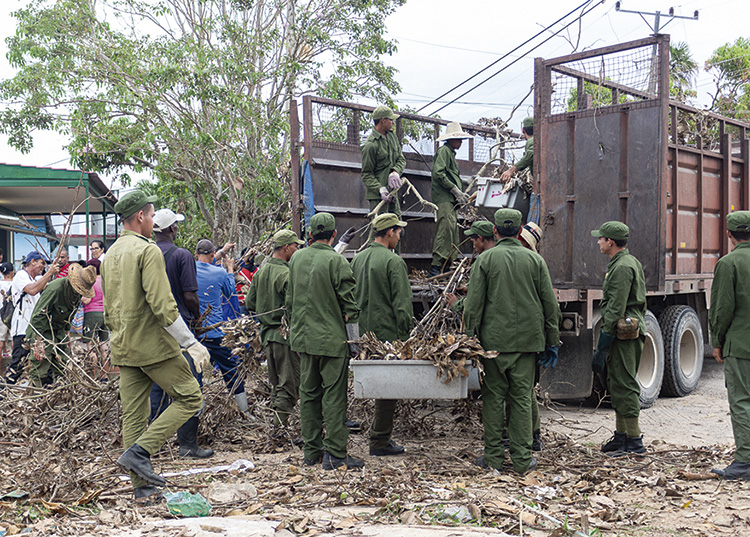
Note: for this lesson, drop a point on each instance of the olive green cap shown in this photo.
(528, 122)
(284, 237)
(612, 230)
(132, 202)
(387, 221)
(322, 222)
(738, 221)
(383, 111)
(507, 218)
(482, 228)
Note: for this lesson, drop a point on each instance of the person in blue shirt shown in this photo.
(214, 283)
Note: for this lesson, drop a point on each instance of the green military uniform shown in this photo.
(268, 294)
(624, 294)
(729, 319)
(445, 176)
(527, 160)
(381, 155)
(319, 296)
(385, 299)
(138, 304)
(510, 282)
(50, 321)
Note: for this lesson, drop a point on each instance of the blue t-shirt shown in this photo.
(213, 283)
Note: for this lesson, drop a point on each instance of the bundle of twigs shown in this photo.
(242, 337)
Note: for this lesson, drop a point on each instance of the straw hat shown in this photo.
(454, 132)
(532, 234)
(82, 279)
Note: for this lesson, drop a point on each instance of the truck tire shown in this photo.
(651, 368)
(683, 346)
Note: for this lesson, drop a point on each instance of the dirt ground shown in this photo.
(434, 490)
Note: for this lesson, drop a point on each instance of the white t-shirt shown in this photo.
(22, 314)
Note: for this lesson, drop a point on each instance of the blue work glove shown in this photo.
(549, 357)
(600, 355)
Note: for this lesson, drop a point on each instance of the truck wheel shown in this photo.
(651, 368)
(683, 345)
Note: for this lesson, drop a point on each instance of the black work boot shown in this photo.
(390, 449)
(736, 470)
(537, 444)
(331, 463)
(616, 443)
(187, 436)
(148, 495)
(138, 460)
(634, 444)
(353, 426)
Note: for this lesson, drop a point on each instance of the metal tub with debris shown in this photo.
(405, 379)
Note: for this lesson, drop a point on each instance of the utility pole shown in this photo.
(656, 28)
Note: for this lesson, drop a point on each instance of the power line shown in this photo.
(526, 54)
(503, 56)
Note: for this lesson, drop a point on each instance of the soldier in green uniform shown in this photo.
(623, 297)
(527, 160)
(323, 316)
(50, 322)
(482, 237)
(729, 319)
(447, 192)
(383, 162)
(511, 282)
(384, 297)
(147, 333)
(266, 296)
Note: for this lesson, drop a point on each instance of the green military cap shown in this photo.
(738, 221)
(322, 222)
(382, 112)
(132, 202)
(528, 122)
(284, 237)
(387, 221)
(482, 228)
(507, 218)
(612, 230)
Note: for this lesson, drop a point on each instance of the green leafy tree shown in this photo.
(195, 91)
(683, 70)
(730, 66)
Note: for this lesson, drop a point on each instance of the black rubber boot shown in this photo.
(187, 436)
(616, 443)
(138, 460)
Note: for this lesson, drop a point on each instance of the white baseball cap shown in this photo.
(163, 218)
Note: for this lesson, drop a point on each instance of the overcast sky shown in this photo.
(442, 42)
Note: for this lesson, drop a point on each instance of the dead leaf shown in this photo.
(410, 518)
(346, 523)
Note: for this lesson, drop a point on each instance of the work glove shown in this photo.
(549, 357)
(348, 235)
(394, 181)
(460, 196)
(185, 338)
(600, 354)
(352, 335)
(385, 195)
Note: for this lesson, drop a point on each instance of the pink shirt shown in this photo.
(97, 303)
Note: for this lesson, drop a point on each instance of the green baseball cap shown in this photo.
(612, 230)
(738, 221)
(387, 221)
(507, 218)
(528, 122)
(382, 112)
(322, 222)
(284, 237)
(481, 228)
(132, 202)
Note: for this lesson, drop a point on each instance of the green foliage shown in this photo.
(196, 92)
(682, 72)
(730, 65)
(601, 96)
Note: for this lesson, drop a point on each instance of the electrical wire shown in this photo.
(504, 56)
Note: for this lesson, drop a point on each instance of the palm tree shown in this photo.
(682, 71)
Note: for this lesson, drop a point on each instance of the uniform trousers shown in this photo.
(446, 235)
(283, 374)
(322, 398)
(47, 368)
(510, 374)
(381, 428)
(737, 377)
(175, 377)
(622, 383)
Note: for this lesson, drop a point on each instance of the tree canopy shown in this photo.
(195, 91)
